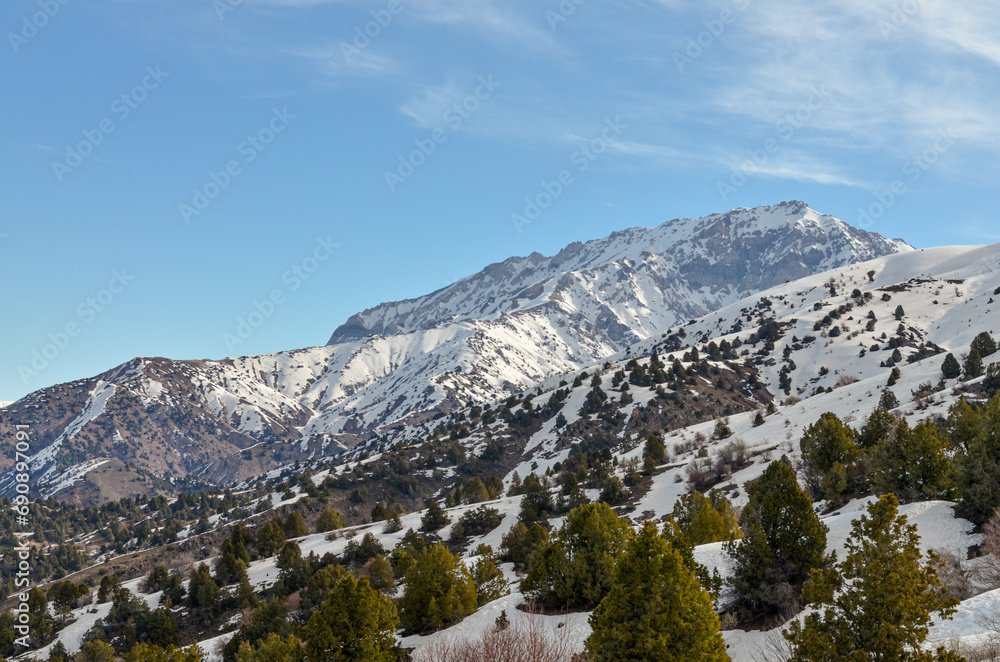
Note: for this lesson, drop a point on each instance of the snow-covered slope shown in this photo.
(947, 295)
(637, 282)
(501, 331)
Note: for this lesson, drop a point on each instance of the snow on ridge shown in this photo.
(94, 408)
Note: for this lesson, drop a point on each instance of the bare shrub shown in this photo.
(954, 577)
(774, 648)
(989, 569)
(845, 380)
(527, 640)
(981, 651)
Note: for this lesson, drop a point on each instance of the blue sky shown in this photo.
(173, 166)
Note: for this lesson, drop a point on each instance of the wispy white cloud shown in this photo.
(895, 79)
(429, 105)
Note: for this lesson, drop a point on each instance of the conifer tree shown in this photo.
(951, 369)
(203, 593)
(574, 570)
(912, 464)
(171, 653)
(830, 455)
(439, 591)
(704, 519)
(536, 505)
(888, 400)
(655, 610)
(270, 538)
(268, 618)
(877, 604)
(272, 649)
(979, 465)
(294, 571)
(783, 542)
(318, 589)
(96, 651)
(878, 426)
(489, 580)
(973, 366)
(295, 526)
(963, 425)
(380, 574)
(355, 624)
(992, 381)
(518, 544)
(329, 520)
(984, 345)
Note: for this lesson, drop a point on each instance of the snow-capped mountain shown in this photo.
(500, 331)
(635, 283)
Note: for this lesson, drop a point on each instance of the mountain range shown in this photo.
(157, 424)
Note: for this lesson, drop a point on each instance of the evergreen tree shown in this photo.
(153, 653)
(536, 504)
(912, 464)
(783, 542)
(704, 519)
(41, 625)
(270, 538)
(984, 345)
(96, 651)
(655, 610)
(888, 400)
(830, 455)
(951, 369)
(488, 579)
(203, 593)
(973, 366)
(475, 491)
(57, 653)
(329, 520)
(439, 591)
(435, 518)
(295, 526)
(518, 544)
(879, 425)
(293, 570)
(979, 465)
(899, 313)
(355, 624)
(272, 649)
(878, 602)
(963, 424)
(574, 570)
(711, 582)
(233, 561)
(268, 618)
(318, 589)
(992, 381)
(894, 377)
(654, 450)
(380, 575)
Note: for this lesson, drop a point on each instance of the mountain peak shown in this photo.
(799, 241)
